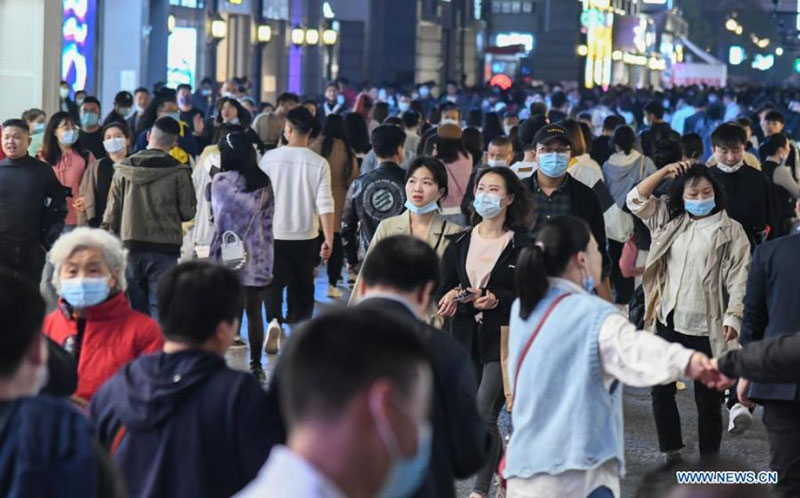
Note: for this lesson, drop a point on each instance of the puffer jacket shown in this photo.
(725, 279)
(109, 335)
(151, 194)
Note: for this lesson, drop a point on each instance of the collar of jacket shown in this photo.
(388, 165)
(108, 309)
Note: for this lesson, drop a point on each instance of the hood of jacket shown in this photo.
(622, 166)
(148, 166)
(153, 387)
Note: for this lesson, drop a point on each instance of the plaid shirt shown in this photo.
(559, 203)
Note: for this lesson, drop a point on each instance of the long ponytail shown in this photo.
(558, 240)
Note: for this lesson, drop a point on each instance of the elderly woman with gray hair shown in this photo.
(94, 321)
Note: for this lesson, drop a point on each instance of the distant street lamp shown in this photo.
(264, 33)
(731, 24)
(298, 36)
(779, 51)
(312, 36)
(218, 27)
(329, 38)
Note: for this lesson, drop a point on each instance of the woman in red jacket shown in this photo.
(94, 320)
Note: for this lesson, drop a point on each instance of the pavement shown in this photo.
(641, 443)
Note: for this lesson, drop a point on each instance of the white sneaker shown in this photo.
(740, 419)
(274, 331)
(334, 292)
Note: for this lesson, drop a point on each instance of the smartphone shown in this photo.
(463, 296)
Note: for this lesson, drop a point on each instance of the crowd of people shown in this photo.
(528, 250)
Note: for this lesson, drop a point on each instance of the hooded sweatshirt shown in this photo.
(623, 171)
(151, 194)
(185, 425)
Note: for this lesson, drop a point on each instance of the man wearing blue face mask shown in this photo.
(355, 428)
(557, 194)
(91, 134)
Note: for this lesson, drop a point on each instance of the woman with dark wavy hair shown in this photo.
(694, 285)
(478, 267)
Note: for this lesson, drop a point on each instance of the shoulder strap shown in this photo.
(255, 213)
(441, 234)
(117, 440)
(533, 336)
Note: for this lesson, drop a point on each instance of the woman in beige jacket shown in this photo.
(426, 186)
(694, 284)
(332, 145)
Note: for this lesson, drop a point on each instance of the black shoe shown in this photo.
(259, 374)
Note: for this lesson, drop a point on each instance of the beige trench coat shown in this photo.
(436, 237)
(725, 277)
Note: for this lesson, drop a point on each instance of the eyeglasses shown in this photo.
(549, 150)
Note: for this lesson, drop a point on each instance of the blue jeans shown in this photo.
(144, 271)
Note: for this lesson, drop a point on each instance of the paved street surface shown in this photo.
(641, 443)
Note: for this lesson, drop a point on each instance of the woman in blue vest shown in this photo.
(569, 350)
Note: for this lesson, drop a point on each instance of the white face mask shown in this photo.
(494, 163)
(114, 145)
(445, 121)
(730, 169)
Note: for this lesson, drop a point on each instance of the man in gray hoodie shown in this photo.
(151, 195)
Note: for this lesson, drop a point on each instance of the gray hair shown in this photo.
(113, 251)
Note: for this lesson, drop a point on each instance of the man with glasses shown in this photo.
(556, 193)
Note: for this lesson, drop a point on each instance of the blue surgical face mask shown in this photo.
(38, 128)
(589, 283)
(403, 106)
(699, 207)
(69, 137)
(89, 119)
(83, 293)
(487, 205)
(406, 474)
(174, 115)
(553, 164)
(427, 208)
(341, 99)
(424, 91)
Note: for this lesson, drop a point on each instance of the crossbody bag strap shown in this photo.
(255, 213)
(533, 337)
(441, 234)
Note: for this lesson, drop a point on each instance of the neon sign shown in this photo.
(598, 25)
(78, 33)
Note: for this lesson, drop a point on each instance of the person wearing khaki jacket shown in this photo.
(151, 195)
(426, 185)
(694, 285)
(332, 145)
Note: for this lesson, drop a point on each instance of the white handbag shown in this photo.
(232, 247)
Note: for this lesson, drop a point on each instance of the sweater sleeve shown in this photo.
(651, 210)
(765, 361)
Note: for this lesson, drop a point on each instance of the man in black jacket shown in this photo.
(376, 195)
(749, 196)
(32, 204)
(398, 279)
(771, 310)
(555, 193)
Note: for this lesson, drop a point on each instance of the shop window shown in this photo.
(516, 7)
(191, 4)
(527, 7)
(506, 7)
(276, 9)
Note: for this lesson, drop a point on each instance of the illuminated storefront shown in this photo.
(597, 23)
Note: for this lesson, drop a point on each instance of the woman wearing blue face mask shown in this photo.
(568, 352)
(95, 322)
(426, 187)
(36, 120)
(479, 267)
(694, 284)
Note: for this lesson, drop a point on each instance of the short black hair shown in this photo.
(182, 86)
(195, 297)
(655, 108)
(538, 108)
(692, 146)
(744, 122)
(500, 141)
(168, 125)
(301, 120)
(394, 120)
(558, 99)
(386, 139)
(435, 166)
(16, 123)
(22, 308)
(91, 100)
(288, 97)
(401, 262)
(610, 123)
(314, 380)
(123, 98)
(775, 116)
(410, 118)
(120, 125)
(141, 89)
(728, 135)
(771, 145)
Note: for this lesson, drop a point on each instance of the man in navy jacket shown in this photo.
(772, 309)
(181, 423)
